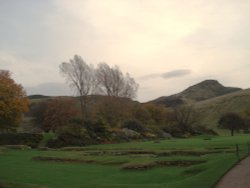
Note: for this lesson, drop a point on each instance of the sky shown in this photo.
(165, 45)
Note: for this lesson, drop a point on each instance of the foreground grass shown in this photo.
(106, 168)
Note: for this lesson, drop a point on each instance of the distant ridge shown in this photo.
(38, 97)
(209, 98)
(204, 90)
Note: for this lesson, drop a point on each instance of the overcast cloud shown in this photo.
(167, 75)
(175, 43)
(50, 89)
(176, 73)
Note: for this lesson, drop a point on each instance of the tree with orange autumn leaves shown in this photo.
(54, 113)
(58, 113)
(13, 102)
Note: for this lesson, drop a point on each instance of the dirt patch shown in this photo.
(218, 148)
(70, 160)
(119, 153)
(59, 159)
(222, 149)
(142, 155)
(187, 153)
(113, 162)
(153, 153)
(127, 166)
(180, 162)
(145, 166)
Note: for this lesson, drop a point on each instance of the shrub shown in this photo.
(97, 129)
(81, 133)
(155, 130)
(71, 136)
(174, 130)
(134, 125)
(204, 130)
(29, 139)
(46, 137)
(125, 135)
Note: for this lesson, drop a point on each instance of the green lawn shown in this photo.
(103, 165)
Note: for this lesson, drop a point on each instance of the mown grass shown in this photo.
(19, 168)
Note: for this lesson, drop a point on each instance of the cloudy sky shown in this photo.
(165, 45)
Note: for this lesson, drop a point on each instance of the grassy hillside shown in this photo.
(204, 90)
(211, 100)
(211, 109)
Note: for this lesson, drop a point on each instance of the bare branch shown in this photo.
(80, 77)
(112, 82)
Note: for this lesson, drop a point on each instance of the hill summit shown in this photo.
(204, 90)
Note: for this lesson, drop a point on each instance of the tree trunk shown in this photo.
(82, 107)
(85, 107)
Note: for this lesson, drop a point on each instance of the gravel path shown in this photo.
(238, 177)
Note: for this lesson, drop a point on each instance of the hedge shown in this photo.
(29, 139)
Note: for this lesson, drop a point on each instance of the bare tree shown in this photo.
(113, 82)
(81, 78)
(184, 117)
(231, 121)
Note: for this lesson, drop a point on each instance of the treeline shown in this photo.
(110, 119)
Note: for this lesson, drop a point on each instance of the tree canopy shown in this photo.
(13, 102)
(104, 80)
(80, 77)
(54, 113)
(231, 121)
(112, 82)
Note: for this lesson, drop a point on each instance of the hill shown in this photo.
(202, 91)
(210, 98)
(37, 97)
(210, 110)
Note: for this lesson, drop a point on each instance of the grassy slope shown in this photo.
(17, 166)
(211, 110)
(204, 90)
